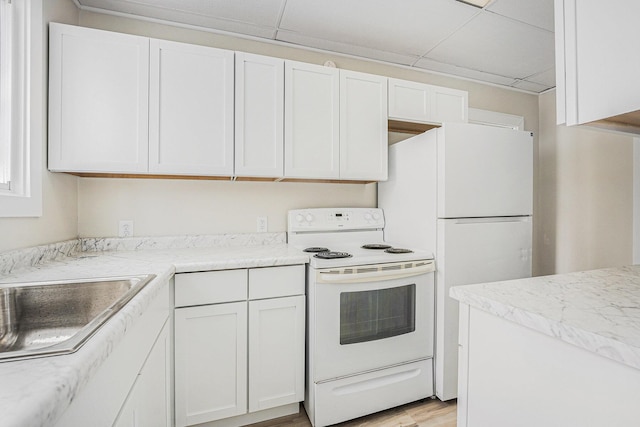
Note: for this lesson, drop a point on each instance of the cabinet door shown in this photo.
(409, 101)
(98, 100)
(597, 74)
(449, 105)
(363, 126)
(276, 352)
(259, 118)
(419, 102)
(149, 403)
(191, 109)
(210, 362)
(312, 147)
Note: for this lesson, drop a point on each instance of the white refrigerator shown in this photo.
(465, 193)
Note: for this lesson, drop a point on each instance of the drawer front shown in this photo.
(274, 282)
(210, 287)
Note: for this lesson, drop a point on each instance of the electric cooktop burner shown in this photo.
(316, 249)
(375, 246)
(332, 255)
(398, 251)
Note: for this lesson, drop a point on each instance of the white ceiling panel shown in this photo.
(407, 27)
(529, 86)
(498, 45)
(534, 12)
(345, 48)
(256, 12)
(429, 64)
(511, 42)
(546, 78)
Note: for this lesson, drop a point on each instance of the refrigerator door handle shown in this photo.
(526, 218)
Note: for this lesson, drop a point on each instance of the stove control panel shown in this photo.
(334, 219)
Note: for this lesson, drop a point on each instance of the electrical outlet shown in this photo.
(125, 228)
(262, 224)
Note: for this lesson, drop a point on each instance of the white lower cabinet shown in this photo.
(148, 403)
(211, 360)
(276, 352)
(133, 385)
(512, 375)
(239, 360)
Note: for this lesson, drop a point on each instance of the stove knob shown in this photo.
(376, 216)
(299, 218)
(309, 217)
(367, 216)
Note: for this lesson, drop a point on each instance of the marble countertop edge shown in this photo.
(604, 346)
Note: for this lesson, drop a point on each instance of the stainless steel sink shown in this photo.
(50, 318)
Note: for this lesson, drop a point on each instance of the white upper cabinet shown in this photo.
(98, 100)
(191, 114)
(449, 105)
(363, 126)
(259, 116)
(312, 133)
(421, 103)
(597, 65)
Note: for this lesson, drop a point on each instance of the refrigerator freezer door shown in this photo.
(484, 171)
(472, 250)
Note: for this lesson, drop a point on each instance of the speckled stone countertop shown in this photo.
(35, 392)
(596, 310)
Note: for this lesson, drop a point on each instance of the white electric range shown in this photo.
(370, 315)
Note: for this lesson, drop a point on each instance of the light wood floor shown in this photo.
(423, 413)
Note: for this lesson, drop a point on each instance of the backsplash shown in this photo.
(12, 261)
(22, 258)
(102, 244)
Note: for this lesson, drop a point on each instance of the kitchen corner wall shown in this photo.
(160, 207)
(584, 198)
(59, 220)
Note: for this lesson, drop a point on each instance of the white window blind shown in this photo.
(5, 94)
(21, 107)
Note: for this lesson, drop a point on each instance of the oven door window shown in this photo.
(377, 314)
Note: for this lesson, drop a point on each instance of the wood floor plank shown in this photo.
(423, 413)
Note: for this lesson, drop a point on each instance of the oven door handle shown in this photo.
(374, 276)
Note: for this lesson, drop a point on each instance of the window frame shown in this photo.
(24, 197)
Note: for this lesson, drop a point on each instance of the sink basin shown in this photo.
(51, 318)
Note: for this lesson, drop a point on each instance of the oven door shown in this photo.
(371, 317)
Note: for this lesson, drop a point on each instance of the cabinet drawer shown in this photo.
(210, 287)
(276, 281)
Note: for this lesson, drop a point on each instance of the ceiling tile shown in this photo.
(429, 64)
(534, 12)
(510, 43)
(348, 49)
(494, 44)
(409, 27)
(530, 86)
(255, 12)
(547, 77)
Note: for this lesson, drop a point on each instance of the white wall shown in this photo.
(169, 207)
(177, 206)
(59, 217)
(584, 197)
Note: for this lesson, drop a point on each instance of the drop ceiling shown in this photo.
(508, 42)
